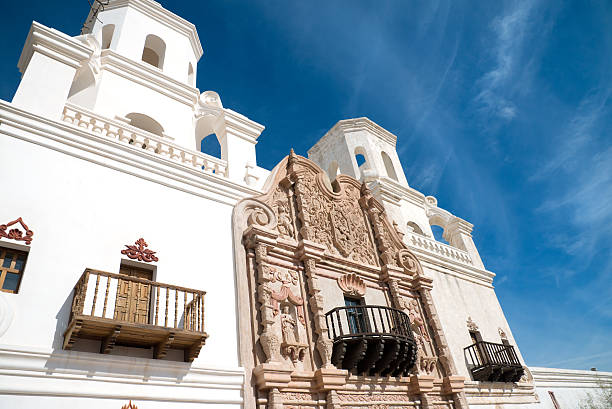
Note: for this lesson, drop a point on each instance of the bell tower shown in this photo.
(134, 66)
(359, 148)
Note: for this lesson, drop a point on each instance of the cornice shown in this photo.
(448, 266)
(392, 188)
(242, 126)
(554, 377)
(354, 125)
(114, 377)
(364, 123)
(54, 44)
(148, 76)
(155, 11)
(89, 146)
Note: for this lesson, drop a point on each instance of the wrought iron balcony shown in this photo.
(371, 340)
(490, 362)
(124, 310)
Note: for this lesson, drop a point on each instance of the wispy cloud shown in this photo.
(582, 200)
(510, 31)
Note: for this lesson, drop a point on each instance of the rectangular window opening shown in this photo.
(12, 265)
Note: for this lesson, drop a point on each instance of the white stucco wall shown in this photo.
(570, 387)
(82, 214)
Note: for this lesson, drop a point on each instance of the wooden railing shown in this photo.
(135, 300)
(364, 320)
(488, 353)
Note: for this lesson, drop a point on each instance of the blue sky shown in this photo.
(502, 111)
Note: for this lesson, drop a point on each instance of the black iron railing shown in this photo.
(371, 340)
(364, 320)
(492, 362)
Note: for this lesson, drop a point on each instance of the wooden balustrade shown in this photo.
(117, 308)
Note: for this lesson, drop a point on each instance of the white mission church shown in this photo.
(138, 272)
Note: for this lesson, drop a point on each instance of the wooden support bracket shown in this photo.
(108, 343)
(161, 349)
(72, 333)
(193, 351)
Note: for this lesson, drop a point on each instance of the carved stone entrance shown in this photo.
(300, 249)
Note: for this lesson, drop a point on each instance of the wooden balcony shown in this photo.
(130, 311)
(490, 362)
(371, 340)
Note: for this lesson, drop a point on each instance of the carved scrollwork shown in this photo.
(259, 214)
(351, 284)
(139, 251)
(283, 294)
(16, 233)
(283, 276)
(427, 364)
(472, 326)
(409, 262)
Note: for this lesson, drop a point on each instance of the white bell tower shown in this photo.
(359, 148)
(135, 65)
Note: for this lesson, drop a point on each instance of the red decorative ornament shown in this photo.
(139, 252)
(16, 233)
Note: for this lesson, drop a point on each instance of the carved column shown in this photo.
(375, 214)
(260, 239)
(423, 285)
(309, 253)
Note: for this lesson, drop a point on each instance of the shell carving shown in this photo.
(352, 285)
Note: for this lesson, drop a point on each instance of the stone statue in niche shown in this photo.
(288, 326)
(418, 325)
(291, 346)
(426, 361)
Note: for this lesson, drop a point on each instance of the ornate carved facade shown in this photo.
(303, 249)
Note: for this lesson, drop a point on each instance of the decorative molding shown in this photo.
(101, 151)
(286, 293)
(471, 324)
(138, 139)
(16, 233)
(373, 397)
(139, 252)
(116, 377)
(54, 44)
(351, 284)
(164, 16)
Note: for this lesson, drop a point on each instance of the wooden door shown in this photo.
(133, 298)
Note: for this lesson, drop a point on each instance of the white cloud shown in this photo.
(496, 86)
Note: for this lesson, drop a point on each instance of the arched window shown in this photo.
(210, 146)
(107, 35)
(145, 123)
(438, 232)
(388, 166)
(361, 158)
(415, 228)
(190, 76)
(154, 51)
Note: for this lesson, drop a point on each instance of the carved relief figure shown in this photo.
(285, 225)
(288, 326)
